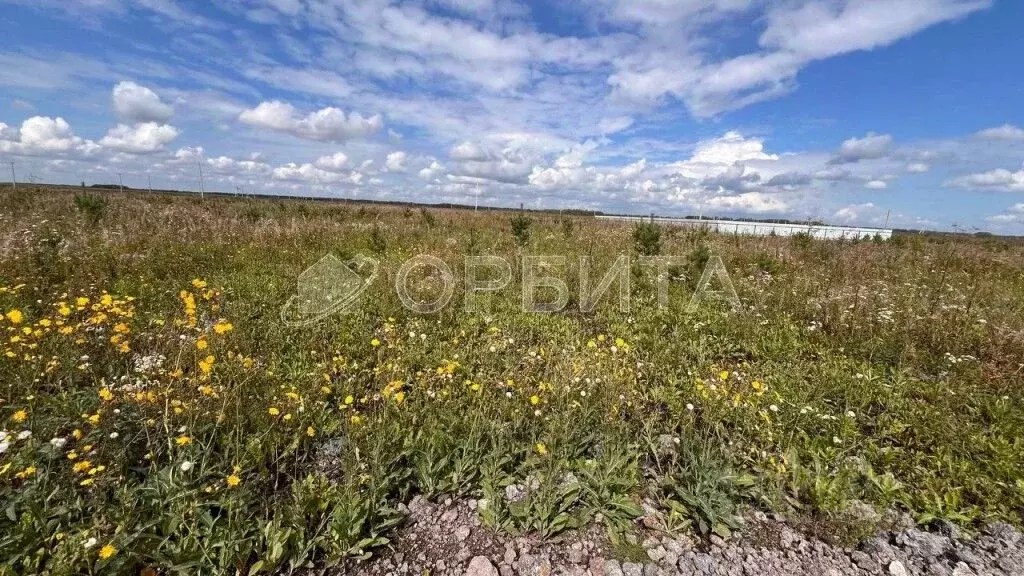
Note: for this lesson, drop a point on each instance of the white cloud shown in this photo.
(9, 133)
(231, 166)
(143, 138)
(326, 125)
(917, 168)
(431, 172)
(136, 104)
(333, 163)
(614, 124)
(1013, 215)
(45, 136)
(395, 162)
(876, 185)
(870, 147)
(1004, 132)
(756, 202)
(998, 179)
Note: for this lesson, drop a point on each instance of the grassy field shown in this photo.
(157, 414)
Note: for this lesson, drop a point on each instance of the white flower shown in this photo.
(583, 393)
(4, 445)
(851, 414)
(508, 394)
(114, 435)
(773, 408)
(58, 442)
(536, 412)
(614, 349)
(836, 440)
(24, 435)
(493, 349)
(689, 407)
(186, 466)
(89, 543)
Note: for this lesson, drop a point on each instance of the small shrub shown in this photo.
(568, 227)
(802, 240)
(647, 238)
(91, 206)
(378, 242)
(521, 229)
(428, 218)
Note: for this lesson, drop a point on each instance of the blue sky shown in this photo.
(848, 111)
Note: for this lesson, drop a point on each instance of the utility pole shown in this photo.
(14, 180)
(202, 188)
(120, 182)
(150, 179)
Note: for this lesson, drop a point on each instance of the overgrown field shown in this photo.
(157, 415)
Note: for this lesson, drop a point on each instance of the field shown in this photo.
(157, 414)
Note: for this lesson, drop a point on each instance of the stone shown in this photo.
(896, 568)
(575, 556)
(612, 568)
(632, 569)
(596, 566)
(656, 553)
(481, 566)
(461, 533)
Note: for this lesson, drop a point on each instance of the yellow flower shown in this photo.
(201, 344)
(121, 328)
(206, 364)
(82, 466)
(199, 284)
(81, 302)
(107, 551)
(374, 342)
(27, 472)
(87, 482)
(183, 440)
(541, 449)
(399, 397)
(534, 400)
(64, 310)
(222, 327)
(20, 416)
(310, 431)
(723, 375)
(15, 316)
(356, 419)
(233, 481)
(349, 399)
(273, 411)
(106, 394)
(77, 434)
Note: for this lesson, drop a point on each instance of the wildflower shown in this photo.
(773, 408)
(232, 481)
(82, 466)
(87, 482)
(186, 466)
(356, 419)
(206, 364)
(201, 343)
(26, 473)
(14, 316)
(107, 551)
(723, 375)
(273, 411)
(374, 342)
(58, 442)
(183, 440)
(89, 543)
(310, 431)
(689, 407)
(534, 400)
(199, 284)
(541, 449)
(222, 327)
(19, 416)
(399, 397)
(349, 400)
(851, 414)
(106, 394)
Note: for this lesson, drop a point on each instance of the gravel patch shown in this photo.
(446, 539)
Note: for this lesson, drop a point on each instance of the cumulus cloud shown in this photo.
(136, 104)
(45, 136)
(333, 163)
(325, 125)
(395, 162)
(432, 172)
(998, 179)
(870, 147)
(755, 202)
(876, 185)
(1004, 132)
(143, 138)
(917, 168)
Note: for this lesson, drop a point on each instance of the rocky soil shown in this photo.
(446, 538)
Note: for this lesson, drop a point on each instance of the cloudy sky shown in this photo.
(848, 111)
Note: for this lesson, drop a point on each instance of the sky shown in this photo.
(899, 113)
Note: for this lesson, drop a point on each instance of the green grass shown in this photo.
(887, 373)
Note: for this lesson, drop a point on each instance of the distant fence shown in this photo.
(765, 228)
